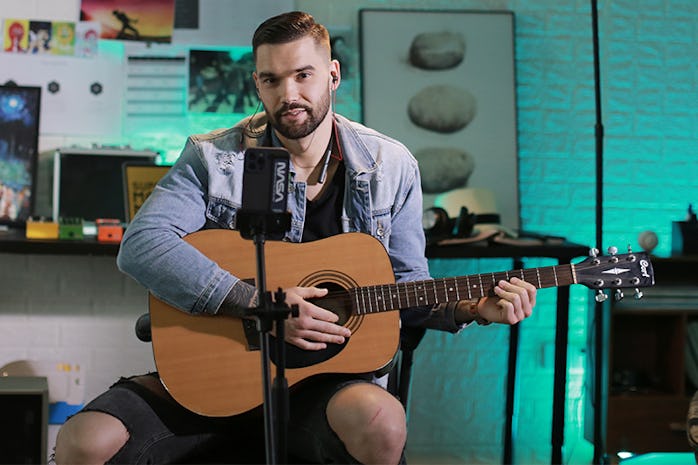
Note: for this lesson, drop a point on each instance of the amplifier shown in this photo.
(89, 183)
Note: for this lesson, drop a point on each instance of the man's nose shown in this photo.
(289, 90)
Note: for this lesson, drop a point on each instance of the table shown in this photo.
(564, 252)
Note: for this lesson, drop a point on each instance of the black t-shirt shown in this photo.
(323, 214)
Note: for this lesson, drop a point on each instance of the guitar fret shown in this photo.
(555, 276)
(407, 297)
(540, 286)
(422, 297)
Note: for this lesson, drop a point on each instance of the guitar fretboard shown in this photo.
(386, 297)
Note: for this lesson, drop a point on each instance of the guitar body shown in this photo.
(205, 362)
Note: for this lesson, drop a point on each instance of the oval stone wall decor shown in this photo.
(442, 108)
(437, 50)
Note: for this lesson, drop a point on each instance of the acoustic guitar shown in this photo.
(211, 365)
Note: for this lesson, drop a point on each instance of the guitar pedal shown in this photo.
(41, 229)
(109, 230)
(70, 228)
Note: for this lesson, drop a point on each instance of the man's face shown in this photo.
(293, 80)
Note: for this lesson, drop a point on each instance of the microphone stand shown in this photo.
(599, 376)
(269, 314)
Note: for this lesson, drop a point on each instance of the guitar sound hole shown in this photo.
(337, 301)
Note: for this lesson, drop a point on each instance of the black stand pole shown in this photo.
(510, 407)
(270, 314)
(599, 402)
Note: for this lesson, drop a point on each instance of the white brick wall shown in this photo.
(73, 309)
(78, 309)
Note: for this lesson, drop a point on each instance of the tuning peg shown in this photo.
(600, 297)
(638, 294)
(594, 253)
(618, 295)
(612, 250)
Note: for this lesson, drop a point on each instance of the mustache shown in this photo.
(292, 106)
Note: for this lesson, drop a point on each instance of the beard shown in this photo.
(315, 116)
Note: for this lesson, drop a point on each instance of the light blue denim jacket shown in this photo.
(204, 190)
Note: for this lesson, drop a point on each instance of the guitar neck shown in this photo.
(386, 297)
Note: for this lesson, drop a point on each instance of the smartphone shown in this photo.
(265, 192)
(265, 180)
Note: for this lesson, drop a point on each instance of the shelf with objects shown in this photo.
(14, 240)
(650, 363)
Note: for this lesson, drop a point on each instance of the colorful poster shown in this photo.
(87, 38)
(63, 40)
(16, 35)
(39, 37)
(139, 20)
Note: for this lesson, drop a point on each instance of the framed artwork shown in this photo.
(443, 83)
(139, 181)
(220, 81)
(19, 142)
(132, 20)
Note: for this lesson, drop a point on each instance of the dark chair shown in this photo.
(399, 380)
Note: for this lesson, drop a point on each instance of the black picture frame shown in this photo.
(20, 113)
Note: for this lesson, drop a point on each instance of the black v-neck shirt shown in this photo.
(323, 215)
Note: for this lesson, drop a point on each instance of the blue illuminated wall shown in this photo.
(649, 84)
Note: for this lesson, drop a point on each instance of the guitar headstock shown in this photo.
(615, 271)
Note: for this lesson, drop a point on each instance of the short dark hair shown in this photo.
(288, 27)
